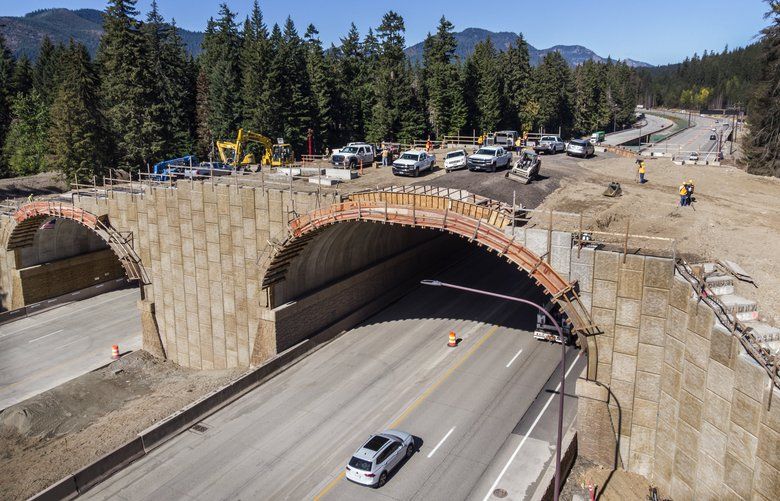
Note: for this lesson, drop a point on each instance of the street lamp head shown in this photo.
(434, 283)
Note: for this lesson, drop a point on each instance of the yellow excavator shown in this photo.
(276, 155)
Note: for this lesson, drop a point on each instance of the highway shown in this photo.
(291, 437)
(696, 139)
(40, 352)
(654, 124)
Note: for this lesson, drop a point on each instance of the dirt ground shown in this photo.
(618, 485)
(735, 217)
(46, 437)
(40, 184)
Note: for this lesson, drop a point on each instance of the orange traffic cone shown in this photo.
(453, 341)
(115, 352)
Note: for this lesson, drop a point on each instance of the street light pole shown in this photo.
(559, 440)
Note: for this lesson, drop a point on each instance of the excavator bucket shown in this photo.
(613, 190)
(518, 175)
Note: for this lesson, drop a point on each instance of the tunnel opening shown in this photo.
(347, 274)
(56, 259)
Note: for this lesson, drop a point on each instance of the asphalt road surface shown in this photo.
(696, 139)
(654, 124)
(496, 186)
(43, 351)
(291, 437)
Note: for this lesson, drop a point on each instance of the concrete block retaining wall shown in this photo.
(44, 281)
(677, 398)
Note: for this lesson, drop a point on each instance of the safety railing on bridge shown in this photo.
(764, 357)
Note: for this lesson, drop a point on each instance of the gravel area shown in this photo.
(55, 433)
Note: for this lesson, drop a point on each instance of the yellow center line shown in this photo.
(417, 402)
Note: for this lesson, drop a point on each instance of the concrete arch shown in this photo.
(480, 224)
(29, 217)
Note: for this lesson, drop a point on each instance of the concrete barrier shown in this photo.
(82, 480)
(567, 461)
(104, 467)
(64, 489)
(341, 174)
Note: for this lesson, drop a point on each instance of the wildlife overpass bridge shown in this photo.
(232, 275)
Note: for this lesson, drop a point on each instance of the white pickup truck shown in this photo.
(412, 162)
(353, 155)
(489, 158)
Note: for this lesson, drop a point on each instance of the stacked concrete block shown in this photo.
(713, 416)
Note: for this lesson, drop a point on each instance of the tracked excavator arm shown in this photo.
(231, 152)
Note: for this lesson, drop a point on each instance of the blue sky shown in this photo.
(655, 31)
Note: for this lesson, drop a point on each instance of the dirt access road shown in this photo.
(736, 216)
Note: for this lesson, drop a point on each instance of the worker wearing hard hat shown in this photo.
(683, 194)
(641, 171)
(689, 186)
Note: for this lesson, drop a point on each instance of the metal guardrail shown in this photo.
(744, 334)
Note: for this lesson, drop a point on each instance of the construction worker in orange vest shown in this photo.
(683, 194)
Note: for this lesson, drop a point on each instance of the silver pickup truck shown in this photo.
(353, 154)
(550, 144)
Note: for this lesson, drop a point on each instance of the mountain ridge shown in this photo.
(24, 35)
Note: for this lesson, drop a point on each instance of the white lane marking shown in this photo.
(515, 357)
(66, 313)
(47, 335)
(72, 342)
(441, 442)
(528, 433)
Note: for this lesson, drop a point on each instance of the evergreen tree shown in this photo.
(552, 89)
(275, 96)
(21, 79)
(442, 82)
(47, 73)
(517, 84)
(470, 85)
(763, 142)
(591, 112)
(27, 144)
(297, 94)
(489, 96)
(127, 87)
(77, 135)
(322, 90)
(255, 59)
(220, 61)
(397, 113)
(6, 92)
(204, 140)
(168, 123)
(351, 88)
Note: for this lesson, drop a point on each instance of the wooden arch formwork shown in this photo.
(482, 222)
(30, 216)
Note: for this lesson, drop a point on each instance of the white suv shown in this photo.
(373, 462)
(455, 160)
